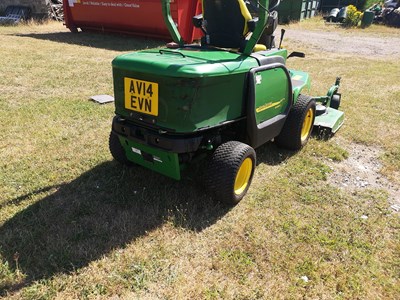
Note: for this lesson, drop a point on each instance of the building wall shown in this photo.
(39, 7)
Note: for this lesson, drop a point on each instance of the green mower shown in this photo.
(217, 100)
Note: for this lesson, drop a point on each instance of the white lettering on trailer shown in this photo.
(100, 3)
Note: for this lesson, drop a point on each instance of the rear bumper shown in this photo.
(163, 162)
(176, 143)
(159, 151)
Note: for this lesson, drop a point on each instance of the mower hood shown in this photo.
(185, 63)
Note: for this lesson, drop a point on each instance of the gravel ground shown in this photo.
(364, 45)
(362, 169)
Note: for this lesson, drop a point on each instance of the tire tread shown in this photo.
(223, 168)
(290, 136)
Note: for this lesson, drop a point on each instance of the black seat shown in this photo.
(228, 24)
(225, 22)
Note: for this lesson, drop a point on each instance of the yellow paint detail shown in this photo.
(141, 96)
(246, 15)
(243, 176)
(259, 47)
(307, 125)
(269, 105)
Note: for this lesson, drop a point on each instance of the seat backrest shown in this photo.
(225, 22)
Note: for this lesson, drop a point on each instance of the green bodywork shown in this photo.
(198, 88)
(331, 120)
(163, 162)
(192, 95)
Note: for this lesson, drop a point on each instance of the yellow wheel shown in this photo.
(298, 125)
(243, 176)
(231, 171)
(307, 125)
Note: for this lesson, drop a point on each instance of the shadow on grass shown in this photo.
(116, 42)
(105, 208)
(272, 155)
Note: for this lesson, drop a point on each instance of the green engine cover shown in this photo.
(182, 91)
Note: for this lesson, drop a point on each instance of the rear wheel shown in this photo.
(231, 171)
(298, 125)
(117, 151)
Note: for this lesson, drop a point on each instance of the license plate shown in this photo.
(141, 96)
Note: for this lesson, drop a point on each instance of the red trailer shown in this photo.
(138, 17)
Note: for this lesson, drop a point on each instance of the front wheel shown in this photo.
(299, 124)
(231, 171)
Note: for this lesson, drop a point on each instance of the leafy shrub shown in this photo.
(353, 16)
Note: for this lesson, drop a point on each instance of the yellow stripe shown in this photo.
(269, 105)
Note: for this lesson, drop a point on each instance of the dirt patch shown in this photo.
(361, 170)
(360, 44)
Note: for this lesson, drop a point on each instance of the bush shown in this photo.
(353, 16)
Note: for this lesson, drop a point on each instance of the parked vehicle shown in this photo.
(216, 101)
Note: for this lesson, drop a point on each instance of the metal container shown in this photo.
(296, 10)
(138, 17)
(367, 19)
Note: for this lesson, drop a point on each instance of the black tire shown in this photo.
(299, 124)
(231, 171)
(335, 101)
(117, 151)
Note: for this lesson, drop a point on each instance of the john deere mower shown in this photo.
(216, 100)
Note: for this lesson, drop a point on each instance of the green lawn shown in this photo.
(75, 224)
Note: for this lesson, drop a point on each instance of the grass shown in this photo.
(74, 224)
